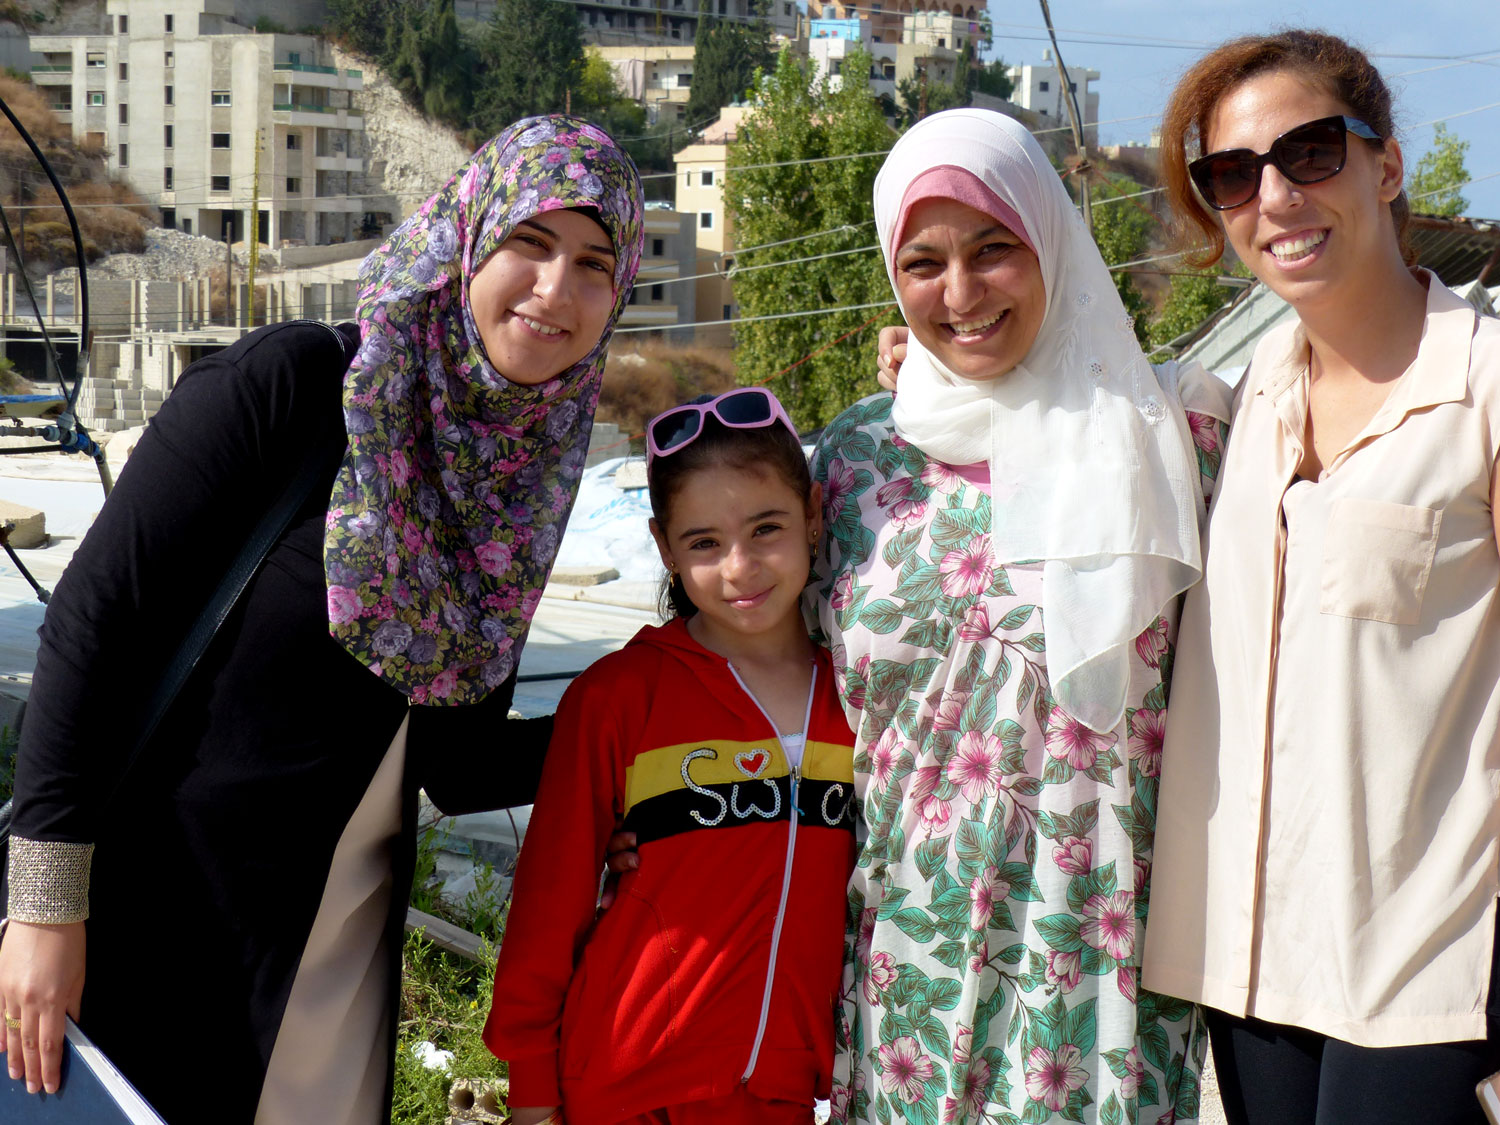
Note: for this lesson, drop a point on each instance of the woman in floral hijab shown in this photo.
(274, 807)
(452, 500)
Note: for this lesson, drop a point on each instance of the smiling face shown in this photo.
(972, 291)
(542, 299)
(741, 540)
(1307, 241)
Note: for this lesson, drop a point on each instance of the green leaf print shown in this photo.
(979, 712)
(1080, 822)
(901, 546)
(951, 953)
(935, 1036)
(1154, 1045)
(924, 585)
(1110, 1112)
(1022, 880)
(1036, 642)
(1060, 931)
(1027, 786)
(952, 528)
(1046, 1026)
(935, 633)
(859, 446)
(1036, 1113)
(882, 1109)
(1080, 1028)
(1095, 962)
(881, 616)
(931, 855)
(1186, 1084)
(968, 844)
(915, 924)
(890, 904)
(888, 460)
(1012, 954)
(943, 993)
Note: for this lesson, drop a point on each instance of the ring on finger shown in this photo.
(12, 1022)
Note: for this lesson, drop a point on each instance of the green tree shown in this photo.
(796, 121)
(365, 24)
(600, 100)
(1122, 231)
(1433, 185)
(1192, 300)
(727, 55)
(531, 56)
(993, 79)
(430, 61)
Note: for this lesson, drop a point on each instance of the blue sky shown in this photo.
(1140, 47)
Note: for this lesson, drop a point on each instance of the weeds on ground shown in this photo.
(9, 738)
(641, 384)
(444, 997)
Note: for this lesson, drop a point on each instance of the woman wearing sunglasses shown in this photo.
(1007, 540)
(1326, 846)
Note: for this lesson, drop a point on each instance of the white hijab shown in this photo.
(1092, 470)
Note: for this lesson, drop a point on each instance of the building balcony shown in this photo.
(56, 74)
(317, 116)
(325, 77)
(338, 163)
(648, 316)
(657, 269)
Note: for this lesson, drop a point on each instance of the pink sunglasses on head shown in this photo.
(744, 408)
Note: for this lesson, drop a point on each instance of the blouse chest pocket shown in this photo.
(1377, 558)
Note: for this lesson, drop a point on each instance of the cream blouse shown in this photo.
(1327, 839)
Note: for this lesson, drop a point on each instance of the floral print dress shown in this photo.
(997, 904)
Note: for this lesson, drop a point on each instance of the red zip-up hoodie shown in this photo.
(720, 961)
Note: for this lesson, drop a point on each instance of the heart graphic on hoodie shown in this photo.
(752, 762)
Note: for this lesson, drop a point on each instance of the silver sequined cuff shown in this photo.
(49, 881)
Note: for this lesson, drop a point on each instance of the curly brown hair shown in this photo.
(1326, 60)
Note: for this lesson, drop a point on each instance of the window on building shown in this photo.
(94, 59)
(706, 177)
(1072, 87)
(293, 185)
(169, 217)
(124, 114)
(219, 97)
(166, 179)
(656, 292)
(293, 141)
(888, 71)
(836, 66)
(219, 183)
(124, 156)
(167, 93)
(167, 27)
(1043, 87)
(684, 80)
(124, 72)
(96, 140)
(942, 42)
(786, 9)
(122, 25)
(166, 136)
(705, 220)
(187, 226)
(168, 58)
(726, 311)
(219, 140)
(96, 97)
(658, 247)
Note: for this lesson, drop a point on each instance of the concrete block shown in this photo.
(583, 575)
(632, 474)
(474, 1102)
(121, 445)
(31, 525)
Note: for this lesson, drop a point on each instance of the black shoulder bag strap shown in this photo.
(270, 528)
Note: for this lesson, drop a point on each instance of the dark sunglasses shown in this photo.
(1308, 154)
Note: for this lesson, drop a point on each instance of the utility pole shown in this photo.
(254, 226)
(1070, 100)
(229, 271)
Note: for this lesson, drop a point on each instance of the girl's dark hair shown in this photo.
(1324, 60)
(774, 448)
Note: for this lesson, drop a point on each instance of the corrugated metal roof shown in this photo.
(1456, 249)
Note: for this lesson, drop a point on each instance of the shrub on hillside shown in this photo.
(642, 383)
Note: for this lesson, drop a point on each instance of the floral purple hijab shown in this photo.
(457, 484)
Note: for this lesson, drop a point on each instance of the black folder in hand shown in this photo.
(93, 1092)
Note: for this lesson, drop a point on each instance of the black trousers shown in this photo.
(1270, 1074)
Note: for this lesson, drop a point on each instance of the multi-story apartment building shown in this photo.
(660, 76)
(830, 41)
(623, 23)
(699, 192)
(180, 96)
(1039, 89)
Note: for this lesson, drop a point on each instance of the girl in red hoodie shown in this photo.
(707, 992)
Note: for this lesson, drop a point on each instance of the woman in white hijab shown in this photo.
(1008, 540)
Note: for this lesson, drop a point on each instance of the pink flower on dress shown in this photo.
(843, 591)
(838, 1104)
(979, 957)
(1070, 741)
(343, 605)
(1205, 431)
(855, 690)
(444, 683)
(932, 811)
(969, 1105)
(1151, 645)
(1074, 855)
(1052, 1077)
(986, 892)
(967, 570)
(883, 757)
(1135, 1070)
(963, 1043)
(905, 1069)
(866, 933)
(839, 484)
(879, 976)
(975, 766)
(1125, 980)
(1109, 923)
(949, 709)
(1142, 874)
(940, 478)
(400, 468)
(900, 506)
(976, 623)
(1148, 730)
(1064, 969)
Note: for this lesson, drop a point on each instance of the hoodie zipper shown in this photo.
(791, 844)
